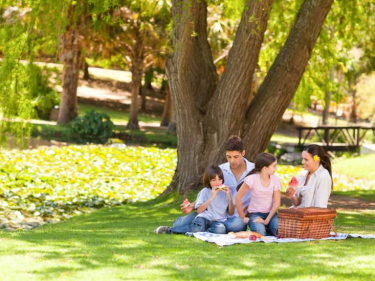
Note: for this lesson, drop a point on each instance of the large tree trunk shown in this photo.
(207, 112)
(70, 56)
(167, 111)
(137, 72)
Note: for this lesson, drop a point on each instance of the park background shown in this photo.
(91, 121)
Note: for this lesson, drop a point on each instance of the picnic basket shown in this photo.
(305, 223)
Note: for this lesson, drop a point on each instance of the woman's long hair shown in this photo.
(262, 160)
(315, 149)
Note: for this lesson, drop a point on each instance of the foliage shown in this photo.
(30, 29)
(44, 97)
(349, 25)
(366, 106)
(93, 127)
(58, 181)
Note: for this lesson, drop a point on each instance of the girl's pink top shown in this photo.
(261, 198)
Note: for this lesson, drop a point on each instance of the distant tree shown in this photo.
(139, 34)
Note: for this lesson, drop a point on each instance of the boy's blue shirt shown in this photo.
(218, 208)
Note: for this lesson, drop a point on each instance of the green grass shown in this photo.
(368, 195)
(358, 167)
(149, 135)
(117, 116)
(119, 244)
(146, 136)
(284, 139)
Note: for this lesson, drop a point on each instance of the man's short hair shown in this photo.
(234, 143)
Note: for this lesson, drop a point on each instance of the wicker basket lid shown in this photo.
(307, 213)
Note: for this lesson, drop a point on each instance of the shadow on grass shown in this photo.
(123, 238)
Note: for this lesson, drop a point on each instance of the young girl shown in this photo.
(213, 204)
(265, 195)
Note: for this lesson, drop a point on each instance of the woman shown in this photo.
(315, 182)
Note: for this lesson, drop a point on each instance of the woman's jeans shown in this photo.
(270, 229)
(189, 224)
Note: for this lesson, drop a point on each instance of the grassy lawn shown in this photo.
(358, 167)
(368, 195)
(119, 244)
(284, 139)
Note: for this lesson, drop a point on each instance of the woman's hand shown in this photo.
(246, 220)
(262, 221)
(290, 192)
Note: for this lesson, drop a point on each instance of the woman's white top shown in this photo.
(317, 191)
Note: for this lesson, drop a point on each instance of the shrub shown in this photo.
(44, 97)
(94, 127)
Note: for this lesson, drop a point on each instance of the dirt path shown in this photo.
(340, 202)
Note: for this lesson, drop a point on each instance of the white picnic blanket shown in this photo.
(225, 240)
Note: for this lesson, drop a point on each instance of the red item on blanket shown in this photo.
(252, 238)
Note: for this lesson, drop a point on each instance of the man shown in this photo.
(235, 171)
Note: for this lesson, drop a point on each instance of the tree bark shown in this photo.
(278, 88)
(167, 112)
(137, 72)
(192, 76)
(70, 55)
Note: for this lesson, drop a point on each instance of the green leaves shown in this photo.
(59, 181)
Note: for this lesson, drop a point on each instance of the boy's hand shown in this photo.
(214, 192)
(186, 210)
(227, 191)
(186, 207)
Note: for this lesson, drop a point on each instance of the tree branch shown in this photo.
(231, 97)
(282, 80)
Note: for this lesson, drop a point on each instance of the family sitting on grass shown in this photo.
(224, 204)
